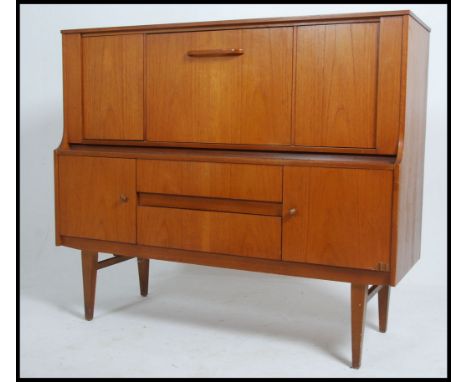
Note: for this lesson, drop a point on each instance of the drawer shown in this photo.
(207, 179)
(208, 231)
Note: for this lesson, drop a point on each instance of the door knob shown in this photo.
(123, 198)
(292, 211)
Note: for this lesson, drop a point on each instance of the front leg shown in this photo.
(143, 273)
(358, 315)
(384, 301)
(89, 263)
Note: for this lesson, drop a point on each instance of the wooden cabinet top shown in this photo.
(243, 23)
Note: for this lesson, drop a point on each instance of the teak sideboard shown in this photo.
(287, 145)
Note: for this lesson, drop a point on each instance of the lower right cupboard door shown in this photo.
(336, 216)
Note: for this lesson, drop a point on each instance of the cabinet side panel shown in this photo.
(410, 171)
(388, 101)
(58, 239)
(72, 107)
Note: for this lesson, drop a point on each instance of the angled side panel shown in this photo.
(409, 172)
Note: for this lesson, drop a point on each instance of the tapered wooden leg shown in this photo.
(143, 272)
(358, 314)
(89, 262)
(384, 301)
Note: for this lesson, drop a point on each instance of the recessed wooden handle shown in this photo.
(215, 52)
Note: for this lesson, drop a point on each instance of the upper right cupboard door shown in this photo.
(348, 85)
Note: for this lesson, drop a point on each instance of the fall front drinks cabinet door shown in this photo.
(305, 87)
(292, 146)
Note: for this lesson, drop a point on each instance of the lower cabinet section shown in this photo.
(208, 231)
(342, 217)
(329, 216)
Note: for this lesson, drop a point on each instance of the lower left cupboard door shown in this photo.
(97, 198)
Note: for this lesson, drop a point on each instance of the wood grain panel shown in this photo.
(89, 197)
(113, 87)
(388, 99)
(220, 180)
(58, 239)
(336, 82)
(229, 261)
(235, 156)
(207, 231)
(408, 191)
(343, 216)
(229, 24)
(242, 99)
(266, 86)
(72, 106)
(210, 204)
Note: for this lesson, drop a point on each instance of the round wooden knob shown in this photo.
(123, 198)
(292, 211)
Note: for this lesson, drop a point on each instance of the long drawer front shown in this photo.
(208, 179)
(210, 231)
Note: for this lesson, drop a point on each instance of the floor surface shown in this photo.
(209, 322)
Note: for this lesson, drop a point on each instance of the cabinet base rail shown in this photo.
(360, 295)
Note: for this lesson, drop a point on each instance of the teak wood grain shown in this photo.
(72, 88)
(113, 87)
(389, 84)
(143, 275)
(336, 84)
(358, 321)
(256, 22)
(208, 231)
(210, 204)
(231, 261)
(90, 191)
(384, 302)
(231, 156)
(342, 216)
(291, 145)
(89, 260)
(220, 180)
(408, 190)
(220, 99)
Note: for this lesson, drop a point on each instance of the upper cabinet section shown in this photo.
(113, 87)
(332, 84)
(230, 86)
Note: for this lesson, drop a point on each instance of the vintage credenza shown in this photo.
(287, 145)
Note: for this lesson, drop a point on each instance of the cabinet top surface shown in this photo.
(246, 22)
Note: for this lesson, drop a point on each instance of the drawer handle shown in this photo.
(215, 52)
(123, 198)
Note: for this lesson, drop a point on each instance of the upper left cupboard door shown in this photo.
(113, 87)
